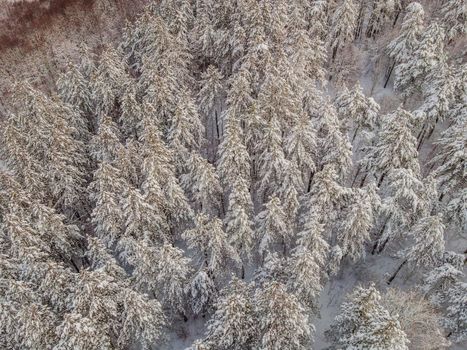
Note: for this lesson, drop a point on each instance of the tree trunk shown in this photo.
(356, 175)
(309, 181)
(389, 74)
(381, 179)
(396, 272)
(355, 133)
(363, 180)
(381, 248)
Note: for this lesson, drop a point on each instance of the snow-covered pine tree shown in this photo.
(428, 250)
(364, 323)
(107, 81)
(395, 147)
(238, 222)
(453, 16)
(234, 323)
(271, 162)
(343, 25)
(234, 160)
(357, 111)
(407, 199)
(272, 227)
(106, 143)
(131, 111)
(284, 323)
(210, 245)
(300, 147)
(202, 181)
(401, 48)
(354, 230)
(422, 61)
(456, 319)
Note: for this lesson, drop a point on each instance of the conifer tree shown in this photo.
(238, 223)
(364, 323)
(357, 111)
(234, 323)
(107, 81)
(381, 13)
(202, 182)
(234, 160)
(422, 61)
(105, 192)
(429, 242)
(404, 45)
(343, 25)
(283, 323)
(272, 227)
(456, 319)
(454, 15)
(354, 230)
(396, 146)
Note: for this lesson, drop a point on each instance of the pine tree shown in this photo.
(395, 147)
(343, 25)
(365, 324)
(234, 324)
(354, 230)
(300, 147)
(107, 81)
(106, 143)
(210, 244)
(271, 160)
(402, 48)
(429, 242)
(305, 276)
(203, 183)
(456, 319)
(450, 173)
(422, 61)
(357, 111)
(131, 111)
(238, 223)
(453, 14)
(283, 323)
(234, 160)
(272, 227)
(105, 192)
(173, 271)
(408, 199)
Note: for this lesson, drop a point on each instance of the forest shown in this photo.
(233, 175)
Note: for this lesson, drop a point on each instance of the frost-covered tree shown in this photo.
(343, 25)
(364, 323)
(454, 15)
(439, 280)
(210, 244)
(272, 227)
(403, 46)
(456, 319)
(234, 160)
(106, 143)
(131, 111)
(271, 162)
(305, 275)
(202, 181)
(395, 147)
(234, 323)
(283, 321)
(422, 61)
(354, 230)
(408, 198)
(300, 147)
(173, 272)
(429, 242)
(237, 221)
(450, 172)
(107, 81)
(357, 110)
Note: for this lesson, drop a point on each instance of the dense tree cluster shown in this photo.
(211, 166)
